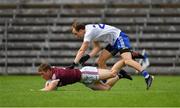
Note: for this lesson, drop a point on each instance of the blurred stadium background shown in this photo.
(35, 31)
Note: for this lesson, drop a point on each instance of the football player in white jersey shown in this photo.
(118, 40)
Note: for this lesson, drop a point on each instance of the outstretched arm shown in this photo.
(96, 49)
(81, 51)
(51, 86)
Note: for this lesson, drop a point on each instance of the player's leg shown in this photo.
(123, 44)
(117, 66)
(105, 86)
(91, 77)
(123, 74)
(99, 86)
(145, 61)
(105, 73)
(130, 62)
(112, 81)
(106, 54)
(120, 72)
(126, 56)
(103, 57)
(114, 74)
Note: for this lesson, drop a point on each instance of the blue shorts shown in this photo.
(122, 42)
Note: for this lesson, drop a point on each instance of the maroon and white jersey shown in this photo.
(66, 76)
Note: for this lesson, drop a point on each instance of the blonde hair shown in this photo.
(44, 67)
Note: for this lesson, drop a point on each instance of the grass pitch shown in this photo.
(22, 91)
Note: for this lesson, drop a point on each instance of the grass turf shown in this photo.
(23, 91)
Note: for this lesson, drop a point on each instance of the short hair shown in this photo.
(44, 67)
(77, 26)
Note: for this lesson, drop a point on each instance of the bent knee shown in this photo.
(101, 64)
(101, 61)
(113, 73)
(127, 61)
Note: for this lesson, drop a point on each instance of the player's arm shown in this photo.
(51, 86)
(81, 51)
(96, 49)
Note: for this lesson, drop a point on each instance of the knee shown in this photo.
(127, 61)
(113, 73)
(101, 63)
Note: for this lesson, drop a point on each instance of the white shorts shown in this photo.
(89, 75)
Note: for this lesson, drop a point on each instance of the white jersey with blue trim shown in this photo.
(101, 32)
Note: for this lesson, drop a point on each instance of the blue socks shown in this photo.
(145, 74)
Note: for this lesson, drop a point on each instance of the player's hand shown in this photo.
(43, 89)
(84, 59)
(55, 81)
(72, 66)
(52, 85)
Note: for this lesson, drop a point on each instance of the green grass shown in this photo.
(17, 91)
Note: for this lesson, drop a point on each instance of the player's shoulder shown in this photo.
(57, 67)
(89, 26)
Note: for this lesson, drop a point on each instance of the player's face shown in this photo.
(78, 34)
(46, 75)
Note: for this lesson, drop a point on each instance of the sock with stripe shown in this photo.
(145, 74)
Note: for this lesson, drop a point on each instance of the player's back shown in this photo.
(101, 32)
(66, 76)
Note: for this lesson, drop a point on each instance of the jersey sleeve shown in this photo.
(88, 36)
